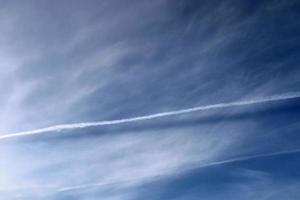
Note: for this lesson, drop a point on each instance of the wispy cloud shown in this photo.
(117, 65)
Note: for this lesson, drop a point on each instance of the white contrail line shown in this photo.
(291, 95)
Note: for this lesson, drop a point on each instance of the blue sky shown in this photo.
(69, 62)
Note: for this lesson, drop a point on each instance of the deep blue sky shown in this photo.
(72, 61)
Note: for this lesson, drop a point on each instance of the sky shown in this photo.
(71, 70)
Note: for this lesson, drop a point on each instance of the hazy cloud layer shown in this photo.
(78, 61)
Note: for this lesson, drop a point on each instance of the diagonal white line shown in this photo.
(286, 96)
(196, 166)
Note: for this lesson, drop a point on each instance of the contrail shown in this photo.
(286, 96)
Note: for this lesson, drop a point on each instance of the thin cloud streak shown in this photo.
(245, 158)
(210, 164)
(286, 96)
